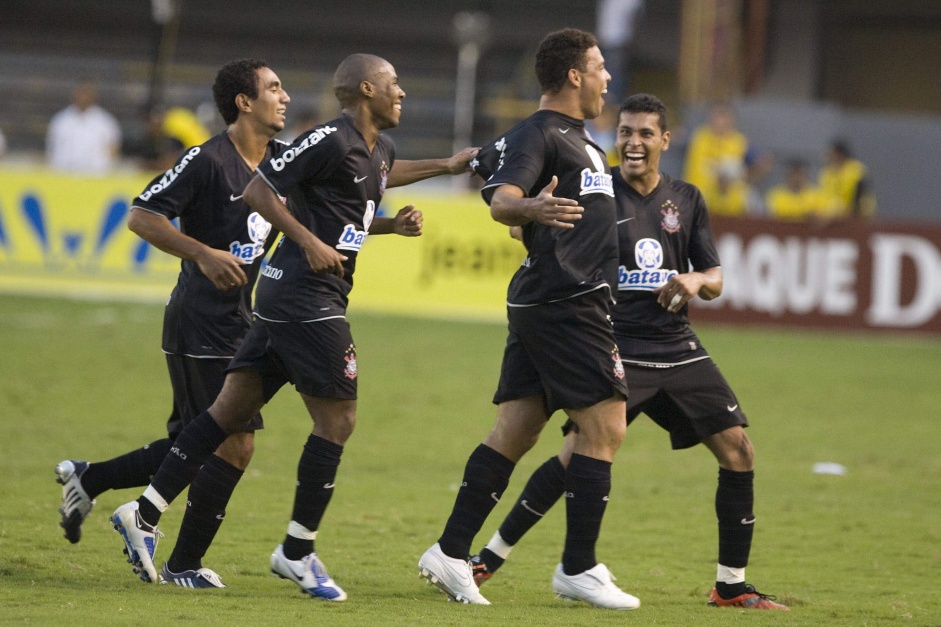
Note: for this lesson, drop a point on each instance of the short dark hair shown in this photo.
(558, 53)
(646, 103)
(234, 78)
(841, 146)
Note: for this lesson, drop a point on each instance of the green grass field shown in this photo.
(86, 380)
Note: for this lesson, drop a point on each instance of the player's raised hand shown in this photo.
(222, 268)
(408, 222)
(460, 162)
(324, 259)
(553, 211)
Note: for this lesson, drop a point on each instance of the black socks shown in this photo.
(198, 440)
(587, 484)
(316, 472)
(205, 510)
(486, 476)
(131, 470)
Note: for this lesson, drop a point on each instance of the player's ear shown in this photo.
(367, 89)
(666, 141)
(575, 77)
(243, 103)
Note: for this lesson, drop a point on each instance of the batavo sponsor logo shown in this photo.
(848, 276)
(597, 181)
(314, 138)
(648, 254)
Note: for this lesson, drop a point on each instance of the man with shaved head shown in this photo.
(322, 193)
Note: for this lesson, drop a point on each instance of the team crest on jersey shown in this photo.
(618, 365)
(597, 181)
(383, 179)
(350, 370)
(671, 217)
(649, 275)
(258, 230)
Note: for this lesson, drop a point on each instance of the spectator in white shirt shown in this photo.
(83, 138)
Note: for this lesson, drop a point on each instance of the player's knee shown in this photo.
(238, 449)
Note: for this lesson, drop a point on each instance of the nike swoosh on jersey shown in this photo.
(360, 179)
(233, 197)
(732, 407)
(624, 220)
(564, 130)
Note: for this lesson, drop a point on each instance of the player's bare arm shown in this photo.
(404, 172)
(322, 258)
(220, 266)
(511, 207)
(683, 287)
(407, 222)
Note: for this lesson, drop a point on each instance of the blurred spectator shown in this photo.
(617, 20)
(83, 138)
(758, 166)
(172, 131)
(730, 193)
(3, 144)
(305, 120)
(715, 148)
(846, 179)
(797, 199)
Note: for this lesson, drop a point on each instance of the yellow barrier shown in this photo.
(64, 235)
(459, 268)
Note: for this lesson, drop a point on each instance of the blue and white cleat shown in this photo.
(140, 540)
(308, 573)
(76, 506)
(201, 578)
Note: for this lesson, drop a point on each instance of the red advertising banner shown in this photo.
(846, 274)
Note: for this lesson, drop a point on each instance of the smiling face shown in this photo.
(639, 144)
(271, 104)
(386, 102)
(593, 83)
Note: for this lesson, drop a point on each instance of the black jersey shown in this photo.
(660, 235)
(204, 190)
(333, 185)
(560, 263)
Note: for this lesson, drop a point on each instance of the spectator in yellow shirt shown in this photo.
(714, 148)
(846, 179)
(797, 199)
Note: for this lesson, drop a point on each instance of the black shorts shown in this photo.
(319, 358)
(564, 351)
(196, 383)
(692, 401)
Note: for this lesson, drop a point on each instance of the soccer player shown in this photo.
(662, 227)
(548, 176)
(334, 177)
(221, 242)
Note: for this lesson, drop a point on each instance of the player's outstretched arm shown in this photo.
(405, 172)
(322, 258)
(407, 222)
(220, 266)
(511, 207)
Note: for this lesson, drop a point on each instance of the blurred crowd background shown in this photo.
(788, 108)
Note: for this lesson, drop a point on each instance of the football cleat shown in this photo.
(480, 571)
(751, 599)
(309, 573)
(452, 576)
(595, 586)
(201, 578)
(76, 506)
(140, 540)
